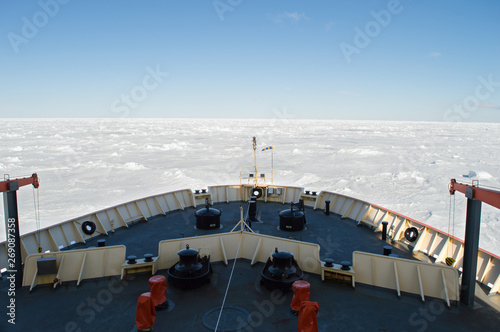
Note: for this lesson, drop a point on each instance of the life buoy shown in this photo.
(89, 227)
(257, 192)
(411, 234)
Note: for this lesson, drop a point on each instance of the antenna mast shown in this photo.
(255, 158)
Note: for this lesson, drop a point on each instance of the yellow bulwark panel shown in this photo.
(77, 265)
(254, 247)
(405, 275)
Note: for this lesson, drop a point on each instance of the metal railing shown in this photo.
(263, 175)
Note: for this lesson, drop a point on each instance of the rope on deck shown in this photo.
(228, 283)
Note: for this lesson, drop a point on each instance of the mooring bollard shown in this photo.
(384, 230)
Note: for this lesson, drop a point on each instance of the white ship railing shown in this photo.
(263, 175)
(432, 242)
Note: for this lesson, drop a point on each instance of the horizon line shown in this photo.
(239, 119)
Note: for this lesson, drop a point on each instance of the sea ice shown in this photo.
(88, 164)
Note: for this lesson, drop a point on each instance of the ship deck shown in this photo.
(109, 304)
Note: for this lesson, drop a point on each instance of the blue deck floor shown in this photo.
(109, 304)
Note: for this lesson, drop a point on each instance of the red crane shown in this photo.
(9, 188)
(475, 195)
(33, 179)
(487, 196)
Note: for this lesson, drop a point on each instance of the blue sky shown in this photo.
(380, 60)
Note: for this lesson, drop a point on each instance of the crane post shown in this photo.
(475, 196)
(471, 248)
(13, 234)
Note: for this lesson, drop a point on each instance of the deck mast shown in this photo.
(475, 195)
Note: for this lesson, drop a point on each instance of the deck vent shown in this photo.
(191, 271)
(281, 271)
(292, 219)
(208, 218)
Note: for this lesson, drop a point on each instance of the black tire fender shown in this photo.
(89, 227)
(411, 234)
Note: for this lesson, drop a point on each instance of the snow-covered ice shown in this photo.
(89, 164)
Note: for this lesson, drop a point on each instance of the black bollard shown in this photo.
(384, 230)
(346, 265)
(301, 205)
(131, 259)
(387, 250)
(252, 210)
(327, 208)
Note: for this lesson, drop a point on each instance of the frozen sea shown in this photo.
(88, 164)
